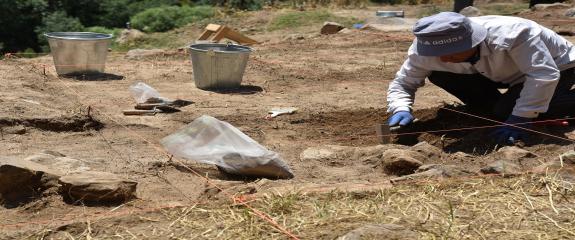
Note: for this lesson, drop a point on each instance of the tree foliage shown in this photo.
(18, 21)
(57, 22)
(23, 21)
(162, 19)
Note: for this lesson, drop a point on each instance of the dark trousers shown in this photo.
(482, 94)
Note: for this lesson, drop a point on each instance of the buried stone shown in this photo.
(430, 171)
(97, 187)
(56, 160)
(514, 154)
(22, 181)
(400, 162)
(502, 167)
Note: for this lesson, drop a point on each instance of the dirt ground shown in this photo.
(338, 82)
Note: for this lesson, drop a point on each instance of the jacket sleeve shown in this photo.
(541, 75)
(401, 92)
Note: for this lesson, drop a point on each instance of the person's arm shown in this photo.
(532, 57)
(401, 92)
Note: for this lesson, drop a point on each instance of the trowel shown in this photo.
(384, 132)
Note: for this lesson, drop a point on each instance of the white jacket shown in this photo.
(516, 50)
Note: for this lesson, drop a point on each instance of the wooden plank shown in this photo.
(205, 35)
(213, 27)
(238, 37)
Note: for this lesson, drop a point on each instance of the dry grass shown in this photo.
(526, 207)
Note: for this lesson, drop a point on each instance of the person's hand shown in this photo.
(402, 118)
(510, 134)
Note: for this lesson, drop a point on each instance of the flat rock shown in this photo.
(547, 167)
(435, 171)
(470, 11)
(462, 157)
(55, 160)
(331, 28)
(97, 187)
(514, 154)
(22, 181)
(401, 162)
(380, 231)
(327, 152)
(550, 6)
(570, 12)
(136, 54)
(502, 167)
(429, 151)
(556, 168)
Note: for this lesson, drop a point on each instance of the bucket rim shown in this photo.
(82, 36)
(242, 47)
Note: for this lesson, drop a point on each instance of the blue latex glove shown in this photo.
(509, 134)
(402, 118)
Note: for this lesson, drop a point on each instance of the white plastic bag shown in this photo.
(142, 92)
(209, 140)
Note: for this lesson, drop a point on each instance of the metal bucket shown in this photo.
(218, 66)
(78, 52)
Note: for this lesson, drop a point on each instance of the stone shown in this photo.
(462, 157)
(401, 162)
(547, 167)
(327, 152)
(65, 165)
(434, 171)
(556, 168)
(136, 54)
(22, 181)
(502, 167)
(380, 231)
(514, 154)
(331, 28)
(570, 12)
(446, 170)
(568, 157)
(373, 154)
(128, 35)
(470, 11)
(429, 151)
(97, 187)
(550, 6)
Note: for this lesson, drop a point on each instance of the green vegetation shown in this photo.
(162, 19)
(299, 19)
(154, 40)
(57, 22)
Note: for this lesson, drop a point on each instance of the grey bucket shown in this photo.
(218, 66)
(78, 52)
